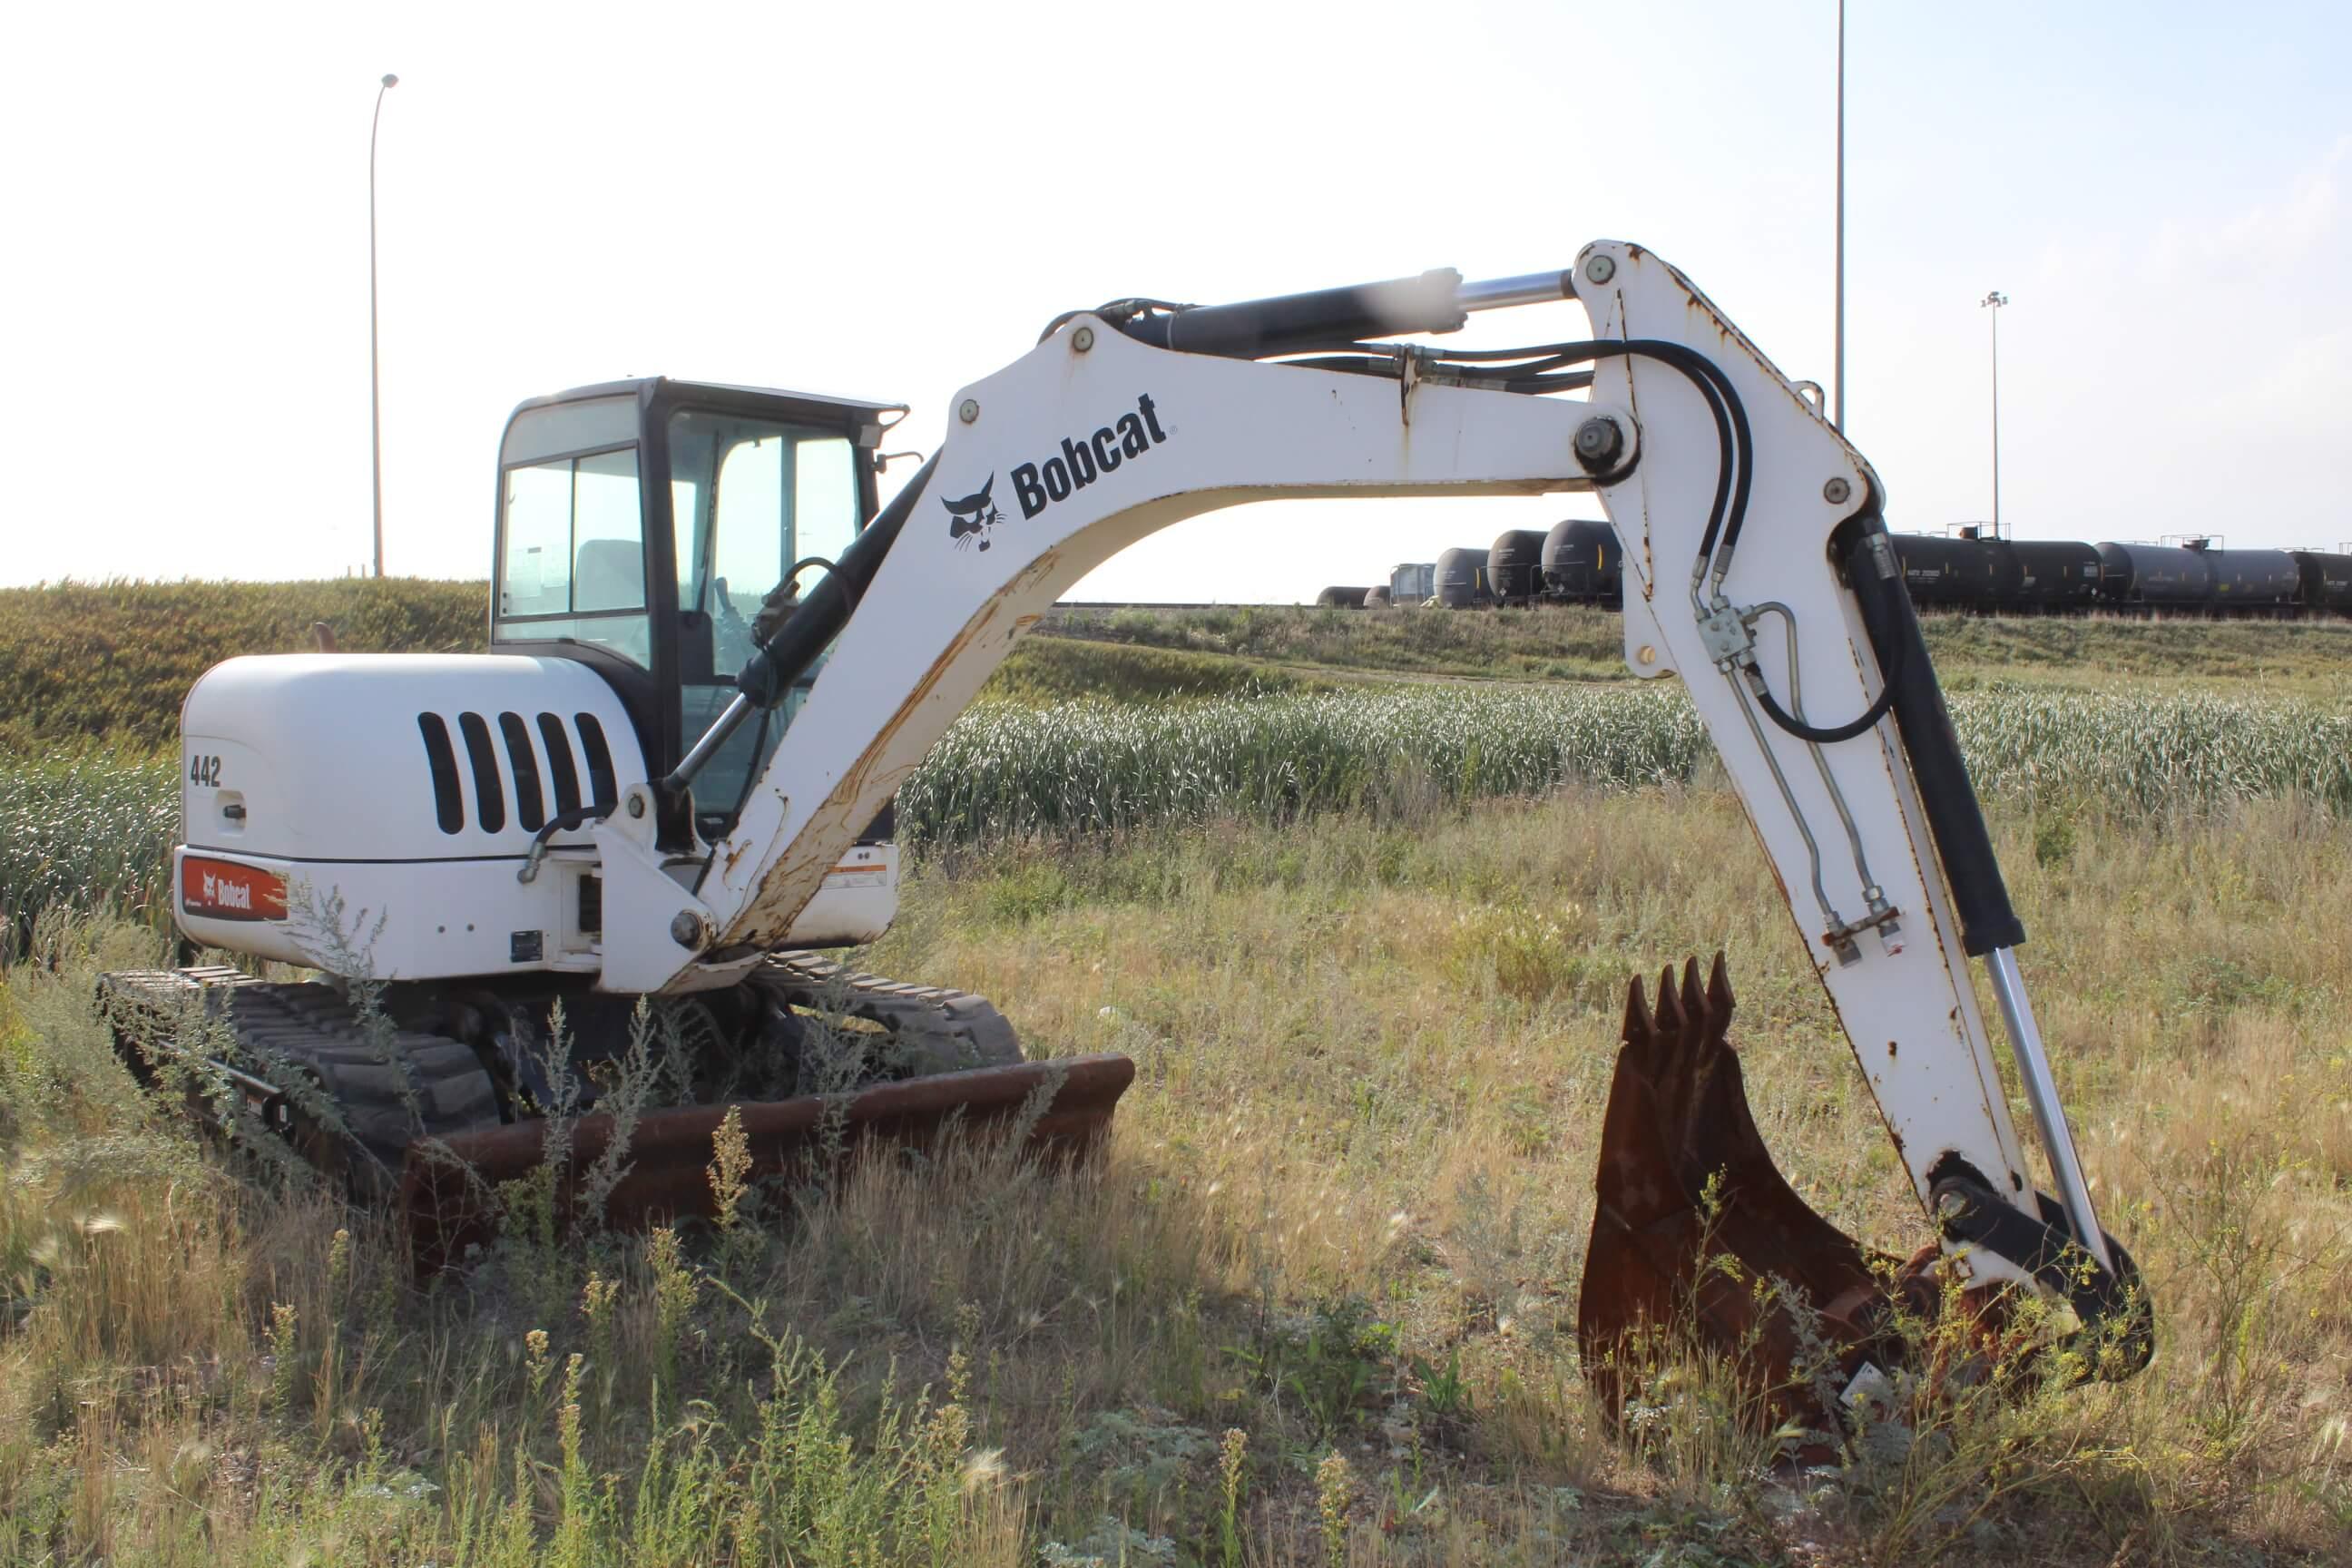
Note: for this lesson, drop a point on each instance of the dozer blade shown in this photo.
(448, 1189)
(1698, 1243)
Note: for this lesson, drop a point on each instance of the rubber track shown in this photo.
(937, 1029)
(424, 1086)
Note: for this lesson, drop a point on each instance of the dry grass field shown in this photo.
(1315, 1305)
(1343, 1214)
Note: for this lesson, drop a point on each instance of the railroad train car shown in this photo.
(1378, 595)
(1582, 565)
(2196, 576)
(1342, 598)
(1578, 562)
(1462, 580)
(2053, 575)
(2327, 580)
(2265, 580)
(1515, 565)
(2163, 575)
(1961, 571)
(1967, 571)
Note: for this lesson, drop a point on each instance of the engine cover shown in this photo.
(372, 813)
(341, 757)
(384, 803)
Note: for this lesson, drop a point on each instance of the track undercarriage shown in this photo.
(434, 1097)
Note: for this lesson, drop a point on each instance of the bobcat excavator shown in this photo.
(714, 659)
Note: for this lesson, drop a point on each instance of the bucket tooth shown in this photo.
(1695, 1003)
(1697, 1238)
(1719, 992)
(1670, 1005)
(1640, 1028)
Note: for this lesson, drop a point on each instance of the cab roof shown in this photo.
(814, 407)
(673, 388)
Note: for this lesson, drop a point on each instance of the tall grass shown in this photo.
(1007, 770)
(2193, 749)
(88, 832)
(1014, 771)
(82, 832)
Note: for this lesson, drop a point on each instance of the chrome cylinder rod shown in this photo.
(1529, 288)
(712, 738)
(2041, 1090)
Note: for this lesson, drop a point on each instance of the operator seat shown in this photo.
(610, 576)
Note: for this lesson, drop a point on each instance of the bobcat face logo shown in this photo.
(972, 517)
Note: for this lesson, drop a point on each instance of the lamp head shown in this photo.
(390, 80)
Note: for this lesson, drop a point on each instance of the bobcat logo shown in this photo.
(974, 516)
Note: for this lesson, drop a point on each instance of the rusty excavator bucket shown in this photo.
(1699, 1244)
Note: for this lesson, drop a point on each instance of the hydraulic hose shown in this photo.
(1832, 734)
(1731, 432)
(809, 630)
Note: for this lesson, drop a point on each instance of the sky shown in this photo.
(888, 202)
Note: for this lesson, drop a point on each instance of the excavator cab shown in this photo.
(642, 526)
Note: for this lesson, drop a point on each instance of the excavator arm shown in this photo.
(1758, 570)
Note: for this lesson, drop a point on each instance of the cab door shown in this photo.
(750, 496)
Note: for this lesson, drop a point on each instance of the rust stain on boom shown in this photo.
(448, 1193)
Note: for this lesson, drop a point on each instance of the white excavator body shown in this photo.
(454, 816)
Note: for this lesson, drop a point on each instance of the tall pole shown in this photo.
(375, 379)
(1994, 301)
(1837, 376)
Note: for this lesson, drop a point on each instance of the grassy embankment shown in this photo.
(88, 662)
(1586, 645)
(111, 661)
(83, 662)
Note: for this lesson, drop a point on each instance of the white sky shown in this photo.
(889, 201)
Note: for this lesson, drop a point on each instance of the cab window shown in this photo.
(572, 545)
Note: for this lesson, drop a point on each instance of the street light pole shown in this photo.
(1837, 375)
(1994, 301)
(375, 380)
